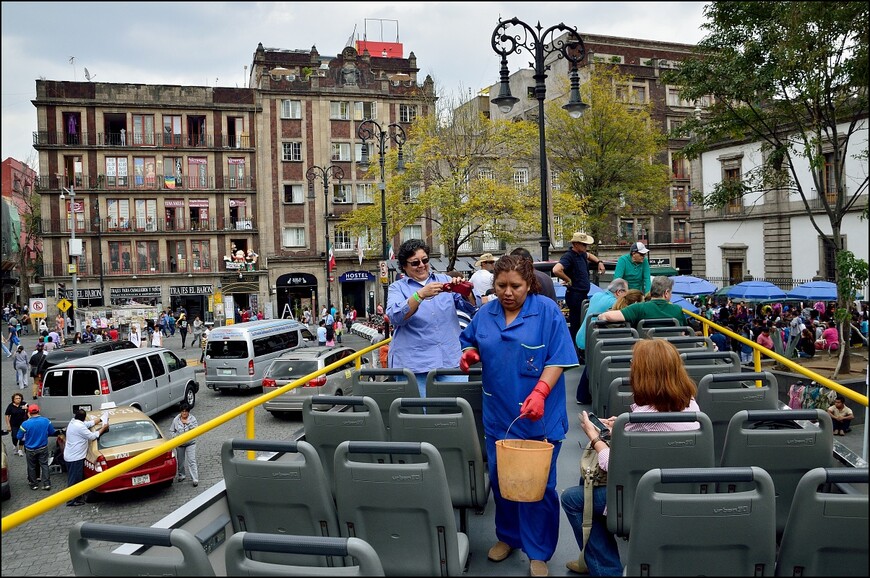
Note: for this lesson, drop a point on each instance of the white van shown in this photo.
(237, 355)
(150, 379)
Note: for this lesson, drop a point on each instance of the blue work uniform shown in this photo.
(513, 359)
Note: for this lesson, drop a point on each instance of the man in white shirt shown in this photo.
(482, 278)
(78, 435)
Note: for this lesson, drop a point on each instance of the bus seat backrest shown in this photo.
(670, 331)
(611, 367)
(183, 556)
(621, 396)
(471, 391)
(645, 325)
(701, 363)
(636, 452)
(826, 529)
(411, 500)
(364, 560)
(400, 383)
(326, 429)
(773, 440)
(287, 495)
(721, 395)
(694, 533)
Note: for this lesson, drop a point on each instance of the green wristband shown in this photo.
(417, 297)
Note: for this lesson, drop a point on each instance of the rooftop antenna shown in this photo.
(88, 74)
(72, 60)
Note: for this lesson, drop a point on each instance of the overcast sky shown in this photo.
(210, 43)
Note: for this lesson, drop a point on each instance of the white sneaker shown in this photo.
(21, 453)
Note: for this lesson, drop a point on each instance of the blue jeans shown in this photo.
(601, 553)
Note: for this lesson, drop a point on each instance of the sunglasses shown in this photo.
(423, 261)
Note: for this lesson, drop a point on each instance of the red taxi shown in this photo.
(130, 433)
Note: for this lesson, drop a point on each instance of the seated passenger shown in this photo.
(659, 383)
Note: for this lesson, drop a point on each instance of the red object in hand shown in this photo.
(533, 407)
(463, 288)
(469, 358)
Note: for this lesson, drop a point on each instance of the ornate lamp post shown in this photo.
(540, 45)
(337, 173)
(370, 129)
(74, 249)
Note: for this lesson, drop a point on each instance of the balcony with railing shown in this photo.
(139, 140)
(114, 225)
(101, 182)
(656, 238)
(146, 267)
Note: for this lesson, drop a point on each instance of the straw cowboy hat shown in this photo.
(485, 258)
(582, 238)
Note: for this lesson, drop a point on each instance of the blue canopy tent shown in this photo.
(688, 285)
(685, 304)
(561, 289)
(756, 291)
(814, 291)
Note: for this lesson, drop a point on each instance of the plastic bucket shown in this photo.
(523, 469)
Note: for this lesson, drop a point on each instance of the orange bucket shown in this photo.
(523, 469)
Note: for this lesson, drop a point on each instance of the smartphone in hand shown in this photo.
(593, 419)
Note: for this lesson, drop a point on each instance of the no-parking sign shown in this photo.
(38, 307)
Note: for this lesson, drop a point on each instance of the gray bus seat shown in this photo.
(601, 349)
(403, 510)
(721, 395)
(611, 367)
(326, 429)
(400, 383)
(621, 397)
(697, 534)
(644, 325)
(594, 334)
(633, 453)
(670, 331)
(690, 343)
(772, 440)
(240, 544)
(183, 555)
(283, 496)
(455, 436)
(471, 391)
(701, 363)
(826, 532)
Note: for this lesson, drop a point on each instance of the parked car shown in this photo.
(78, 350)
(292, 365)
(130, 433)
(4, 473)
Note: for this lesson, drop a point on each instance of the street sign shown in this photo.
(64, 304)
(37, 307)
(382, 270)
(71, 268)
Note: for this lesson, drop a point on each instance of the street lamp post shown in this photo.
(337, 173)
(99, 225)
(73, 250)
(370, 129)
(541, 45)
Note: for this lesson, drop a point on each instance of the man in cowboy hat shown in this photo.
(482, 278)
(573, 270)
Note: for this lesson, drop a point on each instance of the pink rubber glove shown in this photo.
(469, 358)
(533, 407)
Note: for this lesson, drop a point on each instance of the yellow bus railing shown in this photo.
(758, 350)
(35, 510)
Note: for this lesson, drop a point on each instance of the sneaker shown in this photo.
(46, 488)
(21, 453)
(538, 568)
(34, 487)
(499, 552)
(195, 483)
(181, 478)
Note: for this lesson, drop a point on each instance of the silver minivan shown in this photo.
(237, 355)
(150, 379)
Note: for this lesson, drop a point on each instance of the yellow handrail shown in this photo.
(759, 349)
(27, 513)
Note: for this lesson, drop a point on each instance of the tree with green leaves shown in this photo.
(459, 175)
(794, 77)
(605, 159)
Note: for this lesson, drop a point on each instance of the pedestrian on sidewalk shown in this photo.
(182, 329)
(34, 433)
(16, 414)
(184, 422)
(21, 364)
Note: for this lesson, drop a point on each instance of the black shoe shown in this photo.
(34, 487)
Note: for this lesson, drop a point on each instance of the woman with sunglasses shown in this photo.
(423, 315)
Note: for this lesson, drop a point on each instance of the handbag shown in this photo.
(593, 476)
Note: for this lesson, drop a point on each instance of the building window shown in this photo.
(172, 172)
(732, 173)
(116, 171)
(294, 194)
(675, 100)
(236, 173)
(293, 237)
(358, 148)
(118, 213)
(197, 168)
(120, 259)
(521, 178)
(342, 193)
(143, 130)
(144, 172)
(412, 232)
(291, 151)
(200, 255)
(681, 231)
(291, 109)
(365, 240)
(341, 241)
(172, 130)
(339, 110)
(177, 256)
(365, 110)
(830, 182)
(679, 167)
(411, 194)
(147, 257)
(364, 193)
(146, 215)
(828, 258)
(341, 151)
(679, 198)
(73, 170)
(407, 113)
(485, 173)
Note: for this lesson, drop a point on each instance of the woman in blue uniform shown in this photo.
(524, 345)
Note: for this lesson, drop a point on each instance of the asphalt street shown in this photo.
(39, 547)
